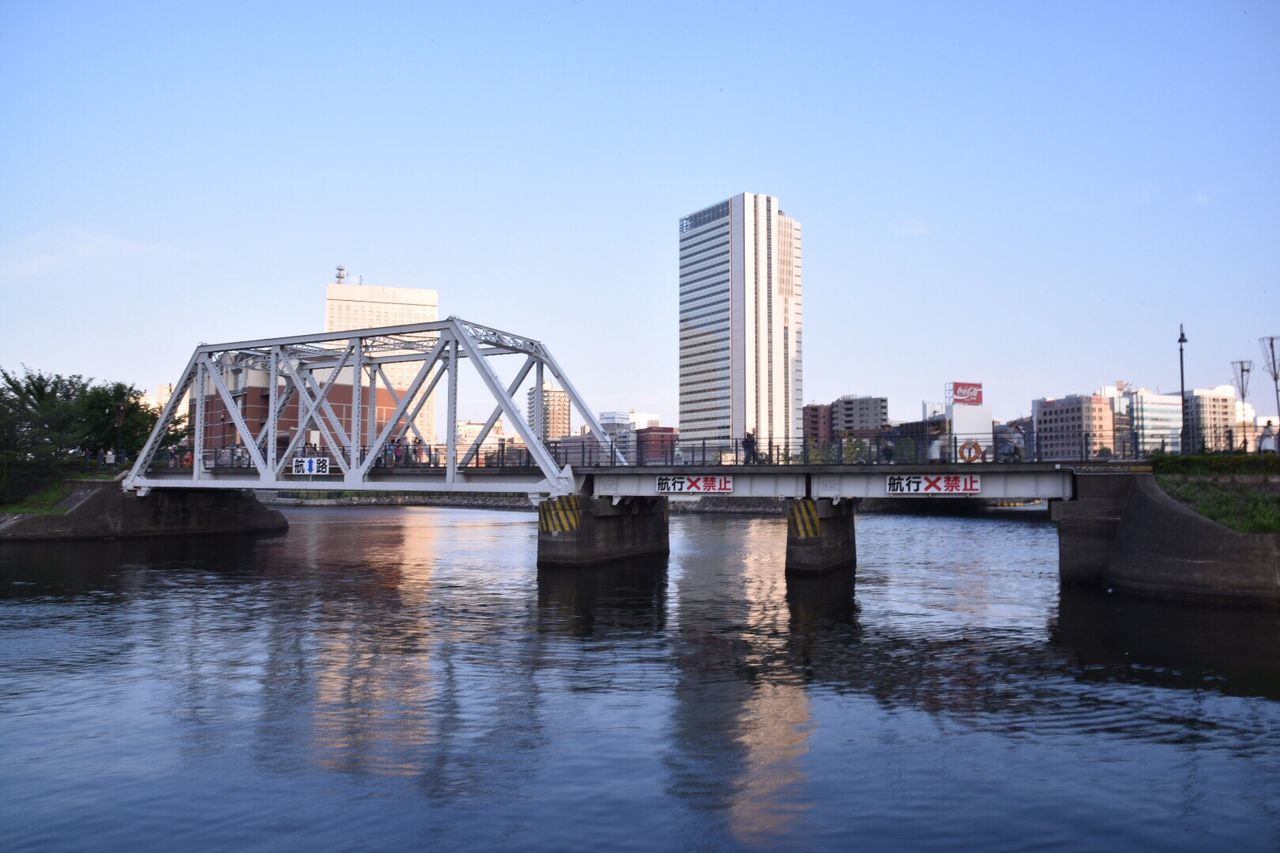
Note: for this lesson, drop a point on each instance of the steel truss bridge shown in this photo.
(318, 412)
(330, 385)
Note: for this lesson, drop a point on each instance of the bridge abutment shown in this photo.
(820, 535)
(100, 510)
(581, 531)
(1087, 526)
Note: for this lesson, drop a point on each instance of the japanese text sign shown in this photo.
(695, 484)
(304, 465)
(928, 485)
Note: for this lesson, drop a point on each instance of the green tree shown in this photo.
(113, 415)
(856, 450)
(38, 427)
(46, 417)
(41, 414)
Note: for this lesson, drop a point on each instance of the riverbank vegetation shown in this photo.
(54, 426)
(43, 502)
(1236, 490)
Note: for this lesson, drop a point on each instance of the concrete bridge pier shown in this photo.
(820, 535)
(578, 530)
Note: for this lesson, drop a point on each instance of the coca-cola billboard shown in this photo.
(966, 393)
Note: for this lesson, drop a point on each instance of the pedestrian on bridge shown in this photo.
(749, 449)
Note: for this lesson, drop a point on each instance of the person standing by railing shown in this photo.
(749, 449)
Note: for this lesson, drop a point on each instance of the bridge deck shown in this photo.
(996, 481)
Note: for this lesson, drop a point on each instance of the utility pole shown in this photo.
(1241, 370)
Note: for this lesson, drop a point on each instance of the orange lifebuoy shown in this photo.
(970, 451)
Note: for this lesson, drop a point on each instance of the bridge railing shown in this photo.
(893, 445)
(884, 447)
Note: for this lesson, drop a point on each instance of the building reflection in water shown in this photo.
(373, 693)
(742, 717)
(415, 629)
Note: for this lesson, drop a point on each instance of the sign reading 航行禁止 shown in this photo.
(304, 465)
(928, 485)
(695, 484)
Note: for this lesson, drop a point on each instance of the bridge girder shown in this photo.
(999, 482)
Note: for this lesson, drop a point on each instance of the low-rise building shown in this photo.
(656, 445)
(816, 418)
(854, 414)
(1078, 426)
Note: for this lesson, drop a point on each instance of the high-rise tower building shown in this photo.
(555, 413)
(740, 322)
(361, 306)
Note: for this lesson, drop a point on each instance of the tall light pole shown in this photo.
(1271, 358)
(1242, 369)
(1182, 382)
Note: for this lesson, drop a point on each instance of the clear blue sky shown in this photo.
(1031, 195)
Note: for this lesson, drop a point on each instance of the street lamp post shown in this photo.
(1182, 382)
(119, 430)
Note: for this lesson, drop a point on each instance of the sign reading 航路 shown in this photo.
(695, 484)
(304, 465)
(930, 485)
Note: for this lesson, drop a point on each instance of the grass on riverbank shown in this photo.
(43, 502)
(1210, 464)
(1215, 486)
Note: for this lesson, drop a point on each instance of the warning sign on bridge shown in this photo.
(931, 485)
(695, 484)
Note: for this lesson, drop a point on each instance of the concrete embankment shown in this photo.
(1163, 547)
(100, 510)
(1124, 533)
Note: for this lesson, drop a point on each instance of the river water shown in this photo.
(384, 678)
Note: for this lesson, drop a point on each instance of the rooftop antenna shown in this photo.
(1241, 370)
(342, 273)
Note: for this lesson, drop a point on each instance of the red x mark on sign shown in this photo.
(932, 484)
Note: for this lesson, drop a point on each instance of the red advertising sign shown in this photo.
(966, 393)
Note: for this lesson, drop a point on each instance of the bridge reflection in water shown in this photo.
(415, 658)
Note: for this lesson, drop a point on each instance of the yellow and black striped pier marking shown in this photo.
(558, 515)
(803, 518)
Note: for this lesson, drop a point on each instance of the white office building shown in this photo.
(1218, 421)
(620, 431)
(360, 306)
(740, 323)
(1153, 420)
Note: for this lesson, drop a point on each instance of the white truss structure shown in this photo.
(301, 372)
